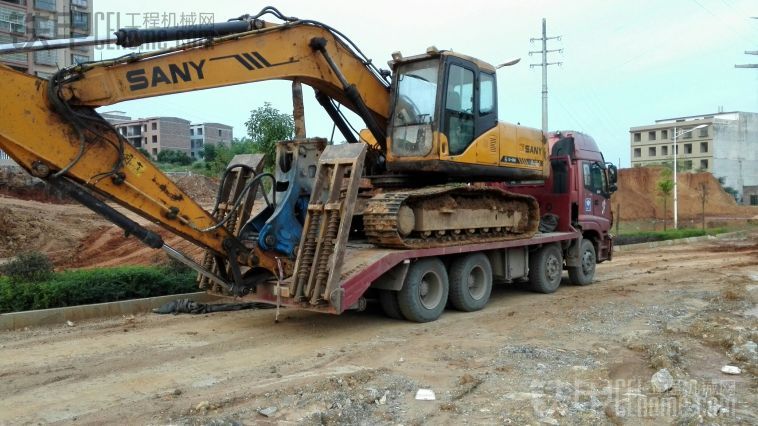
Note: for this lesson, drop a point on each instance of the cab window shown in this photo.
(594, 178)
(459, 108)
(486, 93)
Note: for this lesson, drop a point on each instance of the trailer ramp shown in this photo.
(318, 268)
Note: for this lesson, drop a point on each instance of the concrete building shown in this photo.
(156, 134)
(728, 147)
(208, 134)
(23, 20)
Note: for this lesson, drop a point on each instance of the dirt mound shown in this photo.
(75, 237)
(17, 183)
(200, 188)
(107, 246)
(638, 196)
(52, 229)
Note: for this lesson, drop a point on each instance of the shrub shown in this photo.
(28, 267)
(174, 157)
(79, 287)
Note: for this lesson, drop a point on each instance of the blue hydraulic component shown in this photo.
(284, 226)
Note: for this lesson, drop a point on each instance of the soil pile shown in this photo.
(200, 188)
(50, 228)
(638, 196)
(16, 182)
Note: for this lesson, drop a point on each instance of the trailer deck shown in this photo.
(365, 263)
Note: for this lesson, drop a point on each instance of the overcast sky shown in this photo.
(624, 63)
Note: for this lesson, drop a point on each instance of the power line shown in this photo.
(544, 66)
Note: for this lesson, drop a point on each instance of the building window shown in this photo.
(703, 132)
(48, 5)
(155, 151)
(704, 164)
(219, 132)
(12, 21)
(80, 21)
(16, 57)
(79, 3)
(45, 57)
(199, 131)
(665, 150)
(637, 152)
(155, 138)
(703, 146)
(192, 132)
(651, 136)
(154, 125)
(44, 27)
(637, 137)
(688, 148)
(651, 151)
(687, 135)
(754, 200)
(79, 59)
(664, 134)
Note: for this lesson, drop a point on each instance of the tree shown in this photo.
(144, 152)
(665, 187)
(267, 126)
(702, 193)
(209, 153)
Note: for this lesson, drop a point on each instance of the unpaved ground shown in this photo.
(582, 355)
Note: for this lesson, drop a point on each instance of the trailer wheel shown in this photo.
(470, 282)
(585, 272)
(424, 293)
(389, 304)
(545, 269)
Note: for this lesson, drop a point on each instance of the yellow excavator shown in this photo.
(408, 180)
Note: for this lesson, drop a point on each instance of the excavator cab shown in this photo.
(444, 122)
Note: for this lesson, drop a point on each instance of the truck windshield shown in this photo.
(416, 93)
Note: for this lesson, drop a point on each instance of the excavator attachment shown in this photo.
(231, 209)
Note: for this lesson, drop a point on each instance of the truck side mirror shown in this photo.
(613, 175)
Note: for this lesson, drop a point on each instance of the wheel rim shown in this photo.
(553, 269)
(588, 262)
(475, 283)
(430, 290)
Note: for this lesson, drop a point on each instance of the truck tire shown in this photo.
(545, 269)
(470, 282)
(389, 304)
(424, 293)
(585, 272)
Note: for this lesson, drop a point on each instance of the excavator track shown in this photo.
(447, 216)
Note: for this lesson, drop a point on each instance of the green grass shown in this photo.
(633, 237)
(85, 286)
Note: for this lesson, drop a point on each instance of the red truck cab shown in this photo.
(578, 190)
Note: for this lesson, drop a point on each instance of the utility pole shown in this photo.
(544, 66)
(749, 52)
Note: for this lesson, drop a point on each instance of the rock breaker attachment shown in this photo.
(240, 171)
(327, 226)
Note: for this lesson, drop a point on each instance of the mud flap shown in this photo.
(573, 253)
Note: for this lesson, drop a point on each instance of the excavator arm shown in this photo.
(293, 51)
(51, 129)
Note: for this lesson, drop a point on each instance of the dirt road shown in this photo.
(581, 355)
